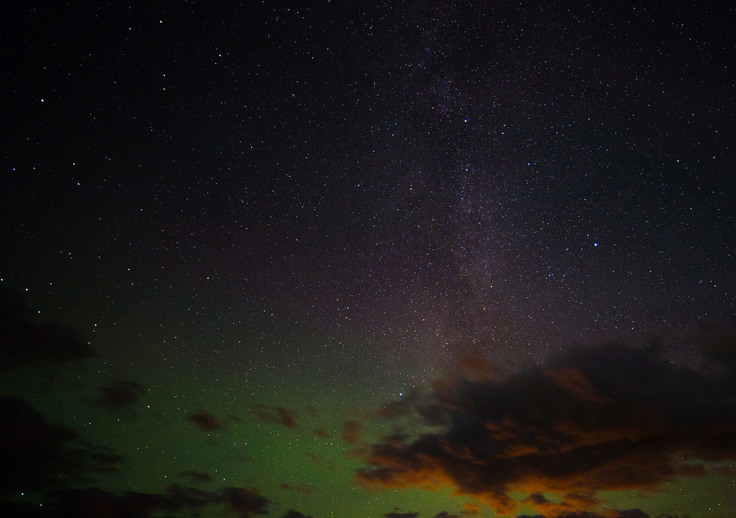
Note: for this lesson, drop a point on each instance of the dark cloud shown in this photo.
(182, 497)
(97, 503)
(245, 502)
(582, 499)
(470, 510)
(94, 502)
(120, 395)
(24, 342)
(38, 455)
(206, 421)
(23, 510)
(569, 503)
(351, 432)
(50, 460)
(321, 433)
(628, 513)
(720, 349)
(536, 498)
(196, 477)
(276, 414)
(605, 418)
(397, 514)
(294, 514)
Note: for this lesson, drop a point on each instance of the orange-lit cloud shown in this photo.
(611, 418)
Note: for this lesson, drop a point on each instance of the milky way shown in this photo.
(279, 258)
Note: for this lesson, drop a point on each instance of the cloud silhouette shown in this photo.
(52, 461)
(628, 513)
(245, 502)
(605, 418)
(23, 510)
(120, 395)
(351, 432)
(40, 455)
(468, 511)
(206, 421)
(176, 500)
(294, 514)
(276, 414)
(24, 342)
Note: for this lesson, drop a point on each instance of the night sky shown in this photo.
(372, 259)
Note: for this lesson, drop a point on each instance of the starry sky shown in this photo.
(368, 259)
